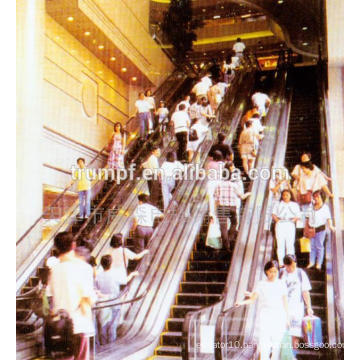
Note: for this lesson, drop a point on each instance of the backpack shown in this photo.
(59, 335)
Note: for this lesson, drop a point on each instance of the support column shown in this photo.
(30, 20)
(335, 35)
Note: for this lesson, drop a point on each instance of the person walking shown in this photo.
(181, 124)
(143, 114)
(116, 148)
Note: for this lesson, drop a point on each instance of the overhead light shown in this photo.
(100, 47)
(281, 45)
(113, 58)
(70, 18)
(223, 52)
(280, 1)
(134, 78)
(202, 65)
(216, 17)
(305, 43)
(203, 10)
(261, 47)
(246, 16)
(87, 33)
(124, 69)
(204, 54)
(100, 72)
(94, 41)
(222, 7)
(304, 28)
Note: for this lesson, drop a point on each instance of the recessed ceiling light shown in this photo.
(134, 78)
(305, 43)
(222, 7)
(87, 33)
(280, 1)
(94, 41)
(223, 51)
(70, 18)
(113, 58)
(281, 45)
(304, 28)
(204, 10)
(100, 47)
(216, 17)
(204, 53)
(124, 69)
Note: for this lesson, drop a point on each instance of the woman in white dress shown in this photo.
(285, 215)
(201, 131)
(273, 317)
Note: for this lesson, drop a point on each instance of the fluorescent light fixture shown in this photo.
(216, 17)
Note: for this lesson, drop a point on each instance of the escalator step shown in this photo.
(196, 299)
(168, 351)
(172, 338)
(202, 287)
(204, 265)
(179, 311)
(215, 276)
(174, 324)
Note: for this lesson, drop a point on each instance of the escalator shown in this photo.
(307, 130)
(170, 249)
(105, 206)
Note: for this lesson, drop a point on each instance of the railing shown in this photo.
(244, 254)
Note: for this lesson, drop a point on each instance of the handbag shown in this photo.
(312, 331)
(193, 135)
(305, 198)
(309, 232)
(286, 352)
(213, 238)
(304, 245)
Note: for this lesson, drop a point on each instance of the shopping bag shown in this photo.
(213, 238)
(286, 352)
(312, 331)
(305, 245)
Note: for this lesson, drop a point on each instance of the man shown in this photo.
(298, 286)
(143, 114)
(152, 166)
(262, 102)
(83, 178)
(170, 169)
(226, 200)
(181, 124)
(143, 223)
(201, 88)
(225, 149)
(72, 288)
(186, 101)
(239, 48)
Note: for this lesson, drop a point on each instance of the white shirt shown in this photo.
(296, 282)
(70, 281)
(194, 111)
(151, 163)
(142, 106)
(257, 125)
(145, 214)
(181, 121)
(108, 283)
(185, 102)
(52, 261)
(239, 47)
(171, 169)
(206, 80)
(151, 101)
(118, 265)
(259, 99)
(319, 217)
(201, 88)
(286, 211)
(163, 111)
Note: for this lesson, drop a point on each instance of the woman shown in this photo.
(151, 101)
(308, 179)
(117, 148)
(201, 132)
(214, 170)
(319, 217)
(285, 214)
(120, 259)
(273, 315)
(214, 96)
(298, 288)
(248, 143)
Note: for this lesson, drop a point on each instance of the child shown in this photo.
(162, 112)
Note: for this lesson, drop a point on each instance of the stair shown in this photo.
(202, 285)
